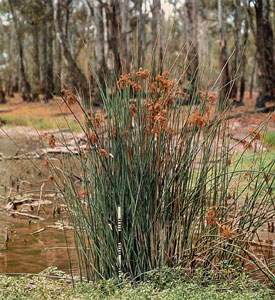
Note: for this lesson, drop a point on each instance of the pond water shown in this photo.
(21, 251)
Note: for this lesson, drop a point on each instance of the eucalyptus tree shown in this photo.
(191, 27)
(78, 78)
(265, 53)
(155, 27)
(260, 10)
(224, 66)
(24, 84)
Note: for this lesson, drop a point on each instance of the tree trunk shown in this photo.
(43, 61)
(78, 78)
(252, 78)
(243, 64)
(225, 79)
(2, 93)
(191, 9)
(50, 85)
(100, 64)
(265, 54)
(155, 27)
(107, 52)
(141, 37)
(113, 27)
(88, 36)
(125, 35)
(236, 60)
(58, 65)
(25, 86)
(35, 86)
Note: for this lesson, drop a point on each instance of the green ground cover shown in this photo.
(169, 284)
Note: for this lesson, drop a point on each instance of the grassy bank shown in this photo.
(168, 284)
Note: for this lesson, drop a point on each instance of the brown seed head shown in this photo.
(93, 138)
(211, 218)
(52, 141)
(198, 120)
(246, 144)
(103, 152)
(132, 110)
(71, 98)
(50, 178)
(143, 74)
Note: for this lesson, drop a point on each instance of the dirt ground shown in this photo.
(16, 110)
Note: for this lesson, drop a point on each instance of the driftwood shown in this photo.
(70, 149)
(258, 110)
(14, 204)
(16, 213)
(38, 231)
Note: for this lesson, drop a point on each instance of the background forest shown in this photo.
(47, 45)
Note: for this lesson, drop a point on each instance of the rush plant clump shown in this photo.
(167, 168)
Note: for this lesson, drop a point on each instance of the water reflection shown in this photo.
(20, 250)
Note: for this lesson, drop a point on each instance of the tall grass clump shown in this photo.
(166, 167)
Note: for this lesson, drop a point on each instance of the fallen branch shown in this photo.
(16, 213)
(38, 231)
(256, 111)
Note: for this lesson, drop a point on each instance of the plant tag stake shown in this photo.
(119, 239)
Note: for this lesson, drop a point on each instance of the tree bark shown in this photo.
(125, 35)
(265, 53)
(78, 78)
(35, 85)
(100, 64)
(25, 86)
(191, 9)
(50, 83)
(43, 61)
(2, 93)
(224, 69)
(236, 60)
(57, 65)
(112, 9)
(243, 64)
(155, 27)
(141, 37)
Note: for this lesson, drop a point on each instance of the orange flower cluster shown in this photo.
(83, 193)
(162, 84)
(132, 110)
(46, 163)
(198, 120)
(103, 152)
(209, 97)
(228, 234)
(52, 141)
(83, 154)
(125, 81)
(143, 74)
(182, 94)
(98, 119)
(255, 135)
(156, 117)
(246, 144)
(211, 218)
(50, 178)
(94, 138)
(71, 98)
